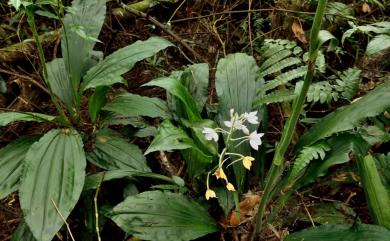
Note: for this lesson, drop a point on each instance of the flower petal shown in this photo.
(220, 174)
(227, 124)
(247, 162)
(210, 194)
(230, 187)
(210, 134)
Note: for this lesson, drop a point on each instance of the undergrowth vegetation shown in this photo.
(274, 124)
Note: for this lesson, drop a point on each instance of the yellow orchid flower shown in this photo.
(210, 194)
(230, 187)
(247, 162)
(219, 173)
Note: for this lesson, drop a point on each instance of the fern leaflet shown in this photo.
(275, 97)
(307, 154)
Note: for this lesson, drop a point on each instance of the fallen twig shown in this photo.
(165, 29)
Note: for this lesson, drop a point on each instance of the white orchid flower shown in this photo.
(255, 139)
(251, 117)
(210, 134)
(238, 125)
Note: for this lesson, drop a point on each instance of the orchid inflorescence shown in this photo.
(236, 123)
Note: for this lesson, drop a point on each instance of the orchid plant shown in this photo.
(236, 123)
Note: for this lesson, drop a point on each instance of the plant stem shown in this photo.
(288, 131)
(41, 54)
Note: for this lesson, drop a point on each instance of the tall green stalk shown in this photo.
(288, 131)
(31, 23)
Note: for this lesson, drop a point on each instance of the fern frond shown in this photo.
(277, 57)
(288, 62)
(272, 46)
(321, 92)
(275, 97)
(348, 82)
(345, 85)
(307, 154)
(267, 52)
(284, 79)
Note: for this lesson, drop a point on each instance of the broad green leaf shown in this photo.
(15, 3)
(196, 159)
(109, 71)
(383, 166)
(112, 151)
(324, 36)
(174, 87)
(9, 117)
(145, 132)
(86, 17)
(196, 79)
(170, 137)
(23, 233)
(162, 216)
(358, 232)
(54, 172)
(379, 43)
(341, 147)
(128, 104)
(197, 127)
(60, 82)
(236, 88)
(328, 213)
(11, 163)
(112, 118)
(225, 199)
(376, 193)
(93, 180)
(374, 135)
(96, 102)
(346, 118)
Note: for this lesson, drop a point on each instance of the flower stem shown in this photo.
(288, 131)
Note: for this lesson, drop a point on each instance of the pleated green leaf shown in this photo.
(96, 102)
(346, 118)
(23, 233)
(236, 88)
(169, 138)
(60, 82)
(379, 43)
(174, 87)
(109, 71)
(128, 104)
(196, 79)
(112, 151)
(359, 232)
(9, 117)
(11, 163)
(82, 25)
(54, 172)
(376, 193)
(161, 216)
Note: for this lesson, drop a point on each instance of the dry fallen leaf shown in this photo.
(248, 209)
(366, 8)
(298, 32)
